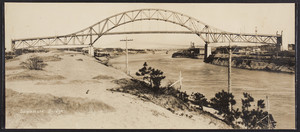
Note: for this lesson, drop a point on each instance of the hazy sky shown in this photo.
(24, 20)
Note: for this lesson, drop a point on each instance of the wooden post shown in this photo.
(180, 80)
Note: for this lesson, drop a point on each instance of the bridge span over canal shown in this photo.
(91, 34)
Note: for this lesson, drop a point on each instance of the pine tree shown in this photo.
(153, 76)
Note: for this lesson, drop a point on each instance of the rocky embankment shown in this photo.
(286, 65)
(184, 54)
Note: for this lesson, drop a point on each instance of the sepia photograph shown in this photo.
(150, 65)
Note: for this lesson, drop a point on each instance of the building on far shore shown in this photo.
(246, 50)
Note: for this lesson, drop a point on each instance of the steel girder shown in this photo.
(91, 34)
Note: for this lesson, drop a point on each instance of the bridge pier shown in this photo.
(207, 51)
(13, 46)
(279, 43)
(91, 50)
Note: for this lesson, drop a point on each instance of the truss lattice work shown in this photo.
(91, 34)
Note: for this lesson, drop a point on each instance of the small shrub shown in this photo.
(199, 99)
(34, 63)
(255, 118)
(170, 91)
(221, 102)
(7, 57)
(236, 114)
(246, 103)
(183, 96)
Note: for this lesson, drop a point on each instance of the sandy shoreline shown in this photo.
(83, 78)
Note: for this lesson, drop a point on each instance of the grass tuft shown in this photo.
(51, 58)
(33, 75)
(102, 77)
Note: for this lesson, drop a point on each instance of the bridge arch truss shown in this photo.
(91, 34)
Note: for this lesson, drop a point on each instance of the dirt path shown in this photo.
(78, 72)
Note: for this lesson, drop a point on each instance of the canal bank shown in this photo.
(282, 64)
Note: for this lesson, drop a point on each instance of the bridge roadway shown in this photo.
(91, 51)
(141, 32)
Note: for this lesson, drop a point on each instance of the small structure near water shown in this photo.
(191, 52)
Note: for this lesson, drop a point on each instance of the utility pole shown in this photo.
(127, 71)
(229, 73)
(268, 109)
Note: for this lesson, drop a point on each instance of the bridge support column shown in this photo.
(207, 51)
(279, 43)
(91, 50)
(13, 46)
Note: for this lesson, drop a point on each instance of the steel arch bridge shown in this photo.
(91, 34)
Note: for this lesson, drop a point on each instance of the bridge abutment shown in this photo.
(91, 50)
(207, 51)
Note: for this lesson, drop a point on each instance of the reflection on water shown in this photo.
(210, 79)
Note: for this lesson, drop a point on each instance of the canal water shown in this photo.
(209, 79)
